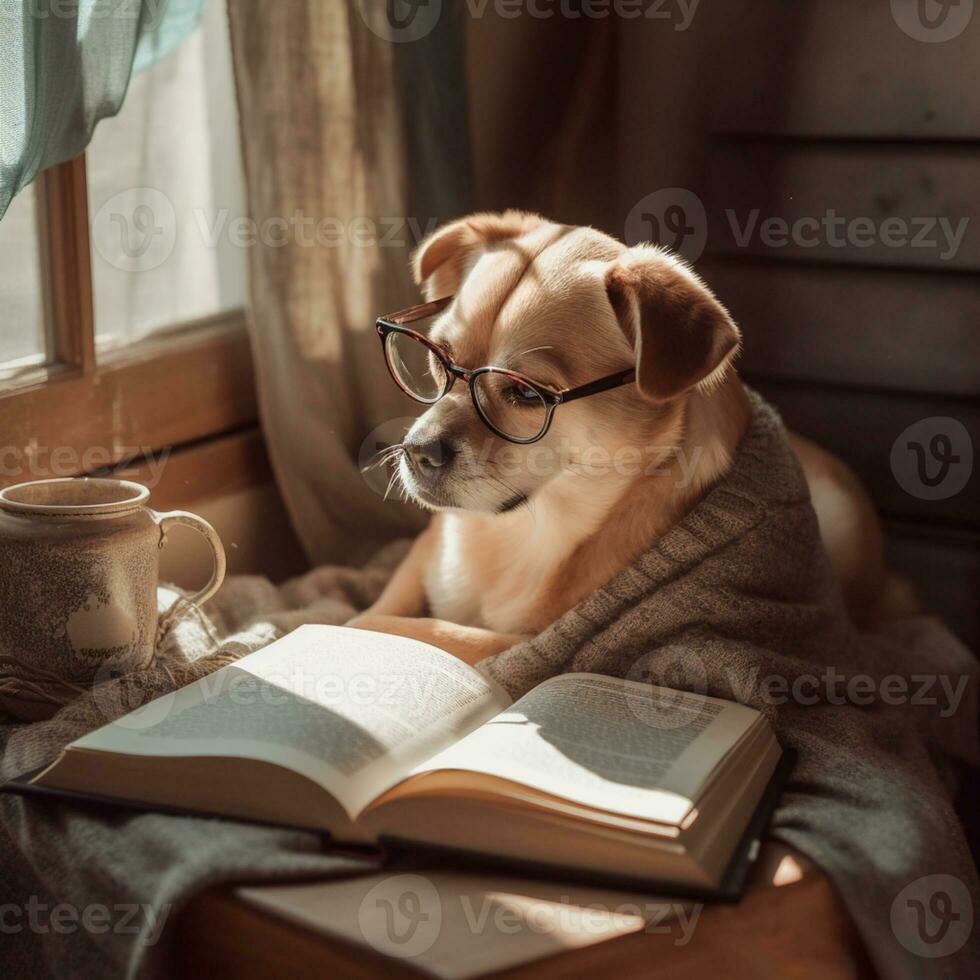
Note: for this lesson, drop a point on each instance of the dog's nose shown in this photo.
(429, 456)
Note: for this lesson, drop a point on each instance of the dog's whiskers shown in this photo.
(395, 479)
(384, 456)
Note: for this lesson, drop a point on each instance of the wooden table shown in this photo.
(789, 924)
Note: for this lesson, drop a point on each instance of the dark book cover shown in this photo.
(406, 854)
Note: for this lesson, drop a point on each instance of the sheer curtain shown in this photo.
(353, 144)
(64, 66)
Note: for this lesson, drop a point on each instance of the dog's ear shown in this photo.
(682, 335)
(441, 261)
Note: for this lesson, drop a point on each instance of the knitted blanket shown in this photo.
(737, 601)
(84, 895)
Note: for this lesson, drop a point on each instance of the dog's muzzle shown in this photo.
(429, 459)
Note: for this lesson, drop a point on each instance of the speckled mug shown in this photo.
(79, 569)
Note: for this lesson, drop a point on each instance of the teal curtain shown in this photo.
(66, 64)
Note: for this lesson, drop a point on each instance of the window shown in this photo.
(22, 328)
(121, 321)
(164, 177)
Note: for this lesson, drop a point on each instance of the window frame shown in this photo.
(180, 386)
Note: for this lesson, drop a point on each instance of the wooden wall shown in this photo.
(817, 108)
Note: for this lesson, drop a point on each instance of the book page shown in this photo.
(352, 710)
(613, 744)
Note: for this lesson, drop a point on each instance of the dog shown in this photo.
(523, 531)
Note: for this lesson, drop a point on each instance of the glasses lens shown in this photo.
(417, 368)
(510, 405)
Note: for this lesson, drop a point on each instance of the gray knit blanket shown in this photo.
(737, 601)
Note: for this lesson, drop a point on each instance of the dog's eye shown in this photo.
(519, 394)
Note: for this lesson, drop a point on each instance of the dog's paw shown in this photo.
(380, 623)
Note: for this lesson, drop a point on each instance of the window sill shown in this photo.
(171, 389)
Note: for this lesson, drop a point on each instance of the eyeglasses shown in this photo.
(509, 404)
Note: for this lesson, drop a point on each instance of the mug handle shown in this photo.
(210, 535)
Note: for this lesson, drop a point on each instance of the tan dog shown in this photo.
(523, 532)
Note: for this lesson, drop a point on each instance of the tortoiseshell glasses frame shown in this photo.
(397, 323)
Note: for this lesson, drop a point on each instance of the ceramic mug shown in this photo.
(79, 569)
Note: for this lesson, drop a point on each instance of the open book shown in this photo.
(377, 738)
